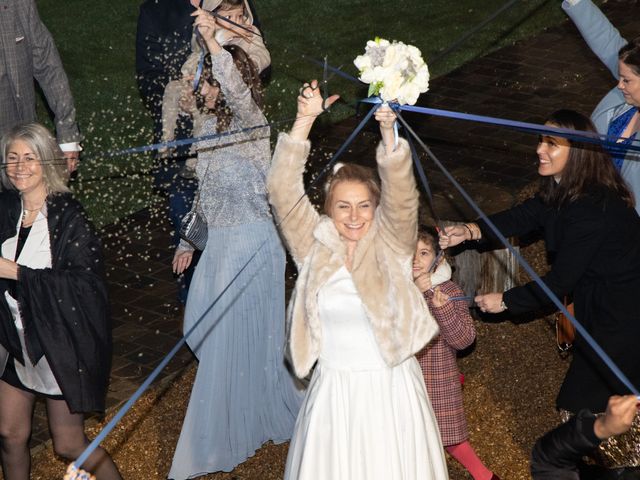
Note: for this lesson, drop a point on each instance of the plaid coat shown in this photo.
(438, 363)
(27, 51)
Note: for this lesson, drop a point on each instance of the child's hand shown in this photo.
(439, 298)
(205, 22)
(423, 282)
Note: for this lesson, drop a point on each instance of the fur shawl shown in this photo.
(382, 262)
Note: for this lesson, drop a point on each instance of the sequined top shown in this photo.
(232, 168)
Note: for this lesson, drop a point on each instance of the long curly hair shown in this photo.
(250, 75)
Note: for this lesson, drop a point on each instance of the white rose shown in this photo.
(409, 94)
(362, 62)
(392, 85)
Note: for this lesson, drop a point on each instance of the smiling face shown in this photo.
(24, 168)
(553, 154)
(352, 209)
(629, 84)
(423, 258)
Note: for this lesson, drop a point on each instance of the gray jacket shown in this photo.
(27, 51)
(605, 41)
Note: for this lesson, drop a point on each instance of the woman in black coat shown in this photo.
(55, 333)
(592, 235)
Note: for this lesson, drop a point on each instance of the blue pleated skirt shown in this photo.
(243, 394)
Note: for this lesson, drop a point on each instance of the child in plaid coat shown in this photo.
(438, 359)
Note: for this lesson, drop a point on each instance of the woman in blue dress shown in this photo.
(617, 113)
(243, 394)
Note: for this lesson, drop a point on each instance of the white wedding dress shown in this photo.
(361, 419)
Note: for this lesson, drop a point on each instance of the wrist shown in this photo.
(468, 234)
(599, 428)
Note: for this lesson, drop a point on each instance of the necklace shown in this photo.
(26, 211)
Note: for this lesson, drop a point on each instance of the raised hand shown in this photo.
(207, 26)
(310, 105)
(310, 101)
(386, 117)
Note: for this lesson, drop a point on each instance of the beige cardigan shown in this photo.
(382, 262)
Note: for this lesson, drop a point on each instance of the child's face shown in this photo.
(423, 258)
(236, 15)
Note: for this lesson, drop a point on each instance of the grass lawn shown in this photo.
(97, 44)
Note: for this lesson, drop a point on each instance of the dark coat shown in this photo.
(594, 244)
(556, 455)
(163, 43)
(65, 308)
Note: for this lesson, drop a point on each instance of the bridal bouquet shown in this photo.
(393, 70)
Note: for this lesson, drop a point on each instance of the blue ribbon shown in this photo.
(138, 393)
(576, 135)
(145, 385)
(536, 278)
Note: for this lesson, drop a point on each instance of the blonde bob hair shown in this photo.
(54, 166)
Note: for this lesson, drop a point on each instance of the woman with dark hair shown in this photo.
(617, 113)
(55, 329)
(592, 235)
(243, 395)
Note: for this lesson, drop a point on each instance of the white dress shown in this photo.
(361, 419)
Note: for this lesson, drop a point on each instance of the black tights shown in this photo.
(67, 433)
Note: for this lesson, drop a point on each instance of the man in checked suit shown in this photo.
(27, 51)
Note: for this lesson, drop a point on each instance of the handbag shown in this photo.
(193, 228)
(565, 331)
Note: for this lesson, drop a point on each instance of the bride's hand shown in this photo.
(386, 117)
(310, 101)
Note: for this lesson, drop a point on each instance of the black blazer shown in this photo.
(594, 243)
(65, 308)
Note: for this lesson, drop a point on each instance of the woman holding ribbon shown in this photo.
(355, 313)
(617, 113)
(55, 330)
(243, 394)
(592, 235)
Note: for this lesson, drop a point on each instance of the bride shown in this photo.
(355, 313)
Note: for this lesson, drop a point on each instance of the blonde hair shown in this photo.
(54, 167)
